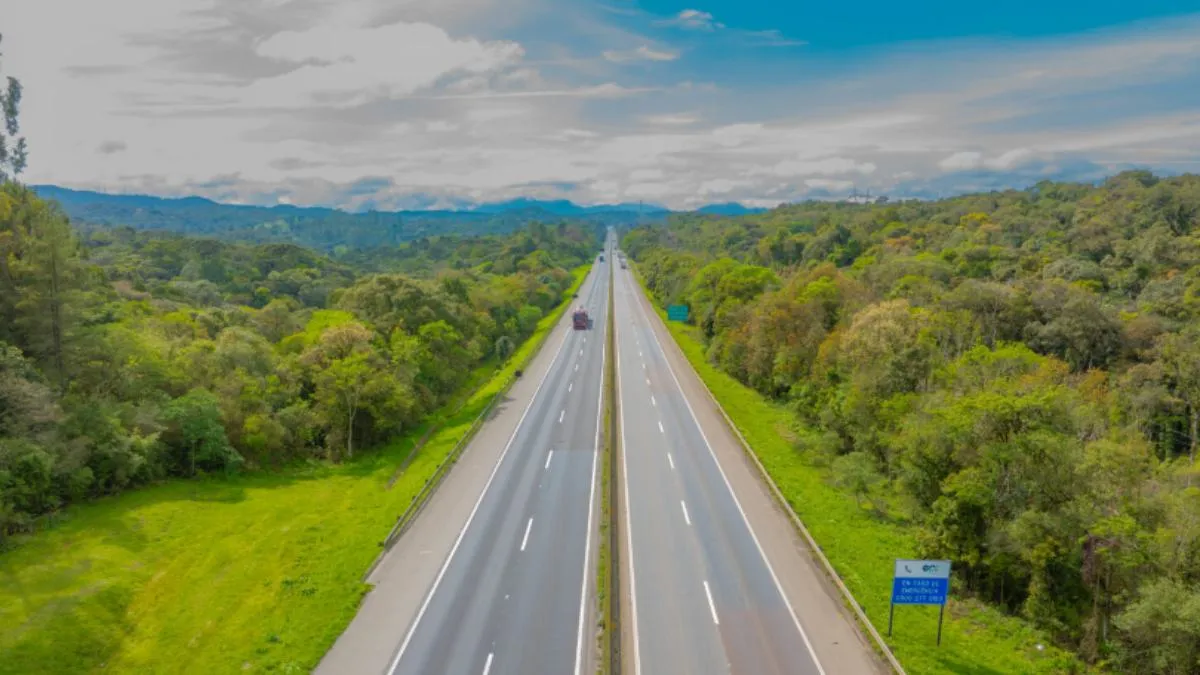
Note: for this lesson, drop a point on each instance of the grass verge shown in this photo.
(976, 639)
(255, 573)
(608, 660)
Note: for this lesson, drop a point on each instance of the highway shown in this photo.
(703, 597)
(496, 576)
(514, 594)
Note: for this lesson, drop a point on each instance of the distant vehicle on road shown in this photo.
(623, 264)
(601, 257)
(580, 319)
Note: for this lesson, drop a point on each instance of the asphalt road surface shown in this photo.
(514, 595)
(496, 576)
(705, 599)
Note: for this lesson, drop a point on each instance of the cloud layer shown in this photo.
(432, 102)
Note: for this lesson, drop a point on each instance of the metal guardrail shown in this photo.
(422, 497)
(431, 484)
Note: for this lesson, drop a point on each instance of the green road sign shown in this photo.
(677, 313)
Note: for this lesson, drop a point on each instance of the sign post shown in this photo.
(677, 313)
(920, 582)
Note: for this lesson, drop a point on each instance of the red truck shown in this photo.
(580, 318)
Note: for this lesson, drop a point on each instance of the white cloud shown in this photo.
(720, 186)
(772, 38)
(645, 174)
(829, 184)
(642, 53)
(449, 100)
(649, 190)
(693, 19)
(962, 160)
(677, 119)
(823, 166)
(357, 65)
(1011, 159)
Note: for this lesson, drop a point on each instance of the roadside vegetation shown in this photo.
(257, 571)
(1006, 380)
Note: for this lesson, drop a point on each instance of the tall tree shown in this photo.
(1180, 353)
(40, 278)
(13, 151)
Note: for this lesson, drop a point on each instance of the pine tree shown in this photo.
(13, 152)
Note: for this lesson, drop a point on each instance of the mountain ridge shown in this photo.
(559, 207)
(324, 228)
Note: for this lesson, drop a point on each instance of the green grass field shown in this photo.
(976, 640)
(257, 573)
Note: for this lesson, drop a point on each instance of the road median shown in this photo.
(608, 565)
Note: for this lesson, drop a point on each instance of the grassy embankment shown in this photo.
(976, 639)
(255, 573)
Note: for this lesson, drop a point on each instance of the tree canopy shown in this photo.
(130, 356)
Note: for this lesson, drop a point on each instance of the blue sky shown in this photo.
(372, 103)
(844, 26)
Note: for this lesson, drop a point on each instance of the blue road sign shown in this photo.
(677, 313)
(920, 582)
(907, 591)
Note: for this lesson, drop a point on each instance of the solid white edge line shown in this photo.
(711, 606)
(587, 546)
(729, 487)
(637, 652)
(488, 666)
(525, 539)
(686, 518)
(549, 456)
(470, 518)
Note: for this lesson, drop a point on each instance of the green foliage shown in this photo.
(195, 420)
(1018, 370)
(126, 357)
(856, 474)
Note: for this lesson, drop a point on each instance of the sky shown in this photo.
(394, 104)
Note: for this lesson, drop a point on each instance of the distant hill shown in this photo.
(728, 209)
(563, 207)
(325, 228)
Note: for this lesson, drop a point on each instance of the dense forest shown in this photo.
(1015, 374)
(328, 230)
(128, 356)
